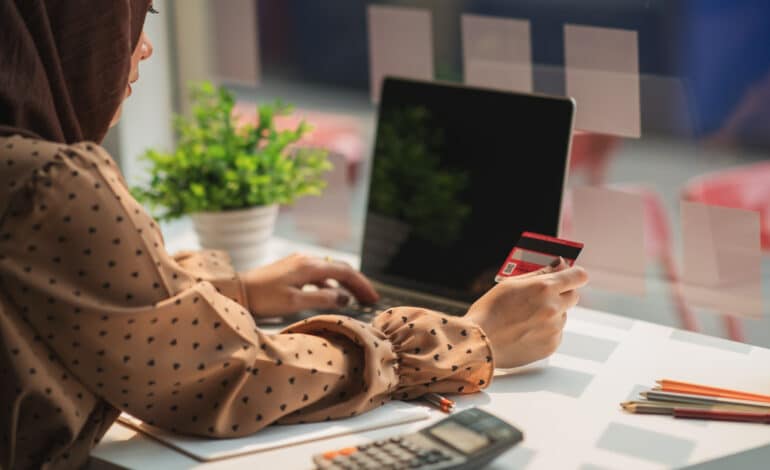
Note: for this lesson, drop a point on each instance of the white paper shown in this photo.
(722, 262)
(602, 73)
(611, 225)
(400, 45)
(237, 42)
(272, 437)
(497, 53)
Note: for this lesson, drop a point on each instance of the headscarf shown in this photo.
(64, 65)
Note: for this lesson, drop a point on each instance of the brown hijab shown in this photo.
(64, 65)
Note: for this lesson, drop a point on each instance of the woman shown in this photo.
(96, 318)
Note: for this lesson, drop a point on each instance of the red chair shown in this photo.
(746, 187)
(657, 245)
(592, 154)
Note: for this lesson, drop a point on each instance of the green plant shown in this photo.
(220, 165)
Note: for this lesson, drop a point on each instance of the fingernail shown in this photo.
(343, 300)
(557, 262)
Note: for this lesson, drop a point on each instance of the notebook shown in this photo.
(273, 437)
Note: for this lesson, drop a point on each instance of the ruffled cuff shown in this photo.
(437, 353)
(371, 374)
(215, 267)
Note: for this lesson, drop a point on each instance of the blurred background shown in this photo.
(669, 175)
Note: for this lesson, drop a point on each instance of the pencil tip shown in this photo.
(628, 406)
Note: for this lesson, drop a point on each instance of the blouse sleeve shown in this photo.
(215, 267)
(87, 268)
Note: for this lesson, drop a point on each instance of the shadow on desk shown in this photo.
(542, 378)
(567, 382)
(757, 457)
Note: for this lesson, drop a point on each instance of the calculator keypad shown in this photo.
(467, 440)
(394, 453)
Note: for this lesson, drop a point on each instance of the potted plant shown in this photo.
(230, 177)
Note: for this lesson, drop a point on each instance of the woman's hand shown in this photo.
(523, 317)
(276, 289)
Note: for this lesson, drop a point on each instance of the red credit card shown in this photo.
(534, 251)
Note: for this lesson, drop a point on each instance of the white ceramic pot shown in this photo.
(241, 233)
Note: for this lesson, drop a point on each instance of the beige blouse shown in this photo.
(96, 318)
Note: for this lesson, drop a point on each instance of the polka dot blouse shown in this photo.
(96, 318)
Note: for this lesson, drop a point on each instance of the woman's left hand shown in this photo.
(276, 289)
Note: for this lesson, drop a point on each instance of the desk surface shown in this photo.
(567, 407)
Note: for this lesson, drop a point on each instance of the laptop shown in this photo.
(458, 173)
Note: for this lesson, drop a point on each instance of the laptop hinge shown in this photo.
(387, 288)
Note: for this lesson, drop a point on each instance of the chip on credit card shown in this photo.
(534, 251)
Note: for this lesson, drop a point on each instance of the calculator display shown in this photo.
(460, 437)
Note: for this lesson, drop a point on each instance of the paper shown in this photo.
(611, 225)
(668, 107)
(722, 259)
(497, 53)
(237, 42)
(400, 45)
(272, 437)
(602, 72)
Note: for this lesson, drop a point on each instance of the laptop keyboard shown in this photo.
(367, 312)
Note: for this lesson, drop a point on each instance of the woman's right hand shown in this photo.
(276, 289)
(524, 316)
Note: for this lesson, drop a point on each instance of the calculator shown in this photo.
(469, 439)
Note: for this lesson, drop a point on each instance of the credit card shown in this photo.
(534, 251)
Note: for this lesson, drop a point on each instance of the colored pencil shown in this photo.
(693, 411)
(668, 385)
(708, 400)
(740, 416)
(668, 407)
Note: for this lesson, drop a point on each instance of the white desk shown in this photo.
(568, 408)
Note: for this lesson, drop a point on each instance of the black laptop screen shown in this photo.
(458, 174)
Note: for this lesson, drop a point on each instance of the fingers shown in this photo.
(569, 279)
(317, 271)
(554, 310)
(569, 299)
(556, 316)
(321, 299)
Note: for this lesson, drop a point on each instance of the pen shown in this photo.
(441, 402)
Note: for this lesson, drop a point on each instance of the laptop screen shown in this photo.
(457, 175)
